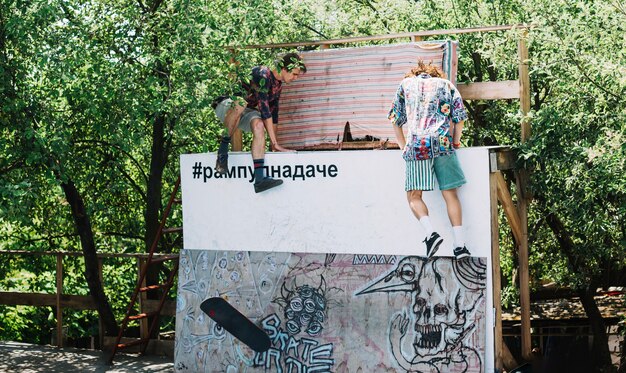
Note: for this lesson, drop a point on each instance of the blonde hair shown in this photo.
(430, 69)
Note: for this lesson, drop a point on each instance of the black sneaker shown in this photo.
(461, 252)
(221, 165)
(266, 183)
(432, 244)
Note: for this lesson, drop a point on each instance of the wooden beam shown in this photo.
(101, 328)
(76, 254)
(501, 90)
(495, 270)
(522, 205)
(143, 323)
(501, 159)
(508, 360)
(59, 307)
(384, 37)
(524, 84)
(524, 277)
(509, 207)
(236, 138)
(78, 302)
(351, 145)
(152, 305)
(155, 346)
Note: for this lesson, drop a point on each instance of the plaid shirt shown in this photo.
(263, 92)
(429, 106)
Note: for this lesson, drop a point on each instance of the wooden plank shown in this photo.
(142, 297)
(155, 346)
(508, 359)
(501, 90)
(501, 159)
(524, 85)
(524, 278)
(495, 260)
(384, 37)
(59, 307)
(78, 302)
(522, 205)
(152, 305)
(351, 145)
(76, 254)
(101, 329)
(510, 210)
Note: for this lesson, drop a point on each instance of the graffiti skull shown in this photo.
(439, 309)
(445, 296)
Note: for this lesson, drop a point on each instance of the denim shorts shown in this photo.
(420, 174)
(246, 119)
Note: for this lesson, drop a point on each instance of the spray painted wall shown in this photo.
(331, 265)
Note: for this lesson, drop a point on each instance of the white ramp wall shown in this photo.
(337, 234)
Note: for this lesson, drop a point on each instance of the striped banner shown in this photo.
(355, 86)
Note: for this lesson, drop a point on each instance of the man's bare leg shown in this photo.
(453, 205)
(455, 214)
(261, 181)
(231, 120)
(232, 117)
(416, 203)
(432, 240)
(258, 139)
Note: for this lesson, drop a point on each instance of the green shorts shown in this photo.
(420, 175)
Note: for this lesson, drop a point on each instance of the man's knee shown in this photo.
(257, 127)
(413, 195)
(450, 193)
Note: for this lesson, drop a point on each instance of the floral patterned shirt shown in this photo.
(263, 92)
(430, 107)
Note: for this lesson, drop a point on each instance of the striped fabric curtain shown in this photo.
(355, 86)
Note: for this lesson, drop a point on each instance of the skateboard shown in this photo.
(236, 323)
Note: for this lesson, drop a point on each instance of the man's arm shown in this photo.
(270, 127)
(397, 115)
(400, 136)
(456, 135)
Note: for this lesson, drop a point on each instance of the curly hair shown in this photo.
(289, 62)
(430, 69)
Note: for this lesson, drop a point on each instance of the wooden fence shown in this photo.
(59, 300)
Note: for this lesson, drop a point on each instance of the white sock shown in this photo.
(428, 227)
(459, 236)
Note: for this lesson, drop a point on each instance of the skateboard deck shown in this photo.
(236, 323)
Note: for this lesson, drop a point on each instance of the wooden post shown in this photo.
(144, 331)
(524, 84)
(416, 38)
(495, 262)
(522, 205)
(58, 300)
(236, 138)
(100, 322)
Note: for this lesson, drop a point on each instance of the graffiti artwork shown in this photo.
(339, 313)
(440, 329)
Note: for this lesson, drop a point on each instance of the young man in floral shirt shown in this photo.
(259, 115)
(432, 109)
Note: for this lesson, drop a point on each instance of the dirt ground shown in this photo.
(29, 358)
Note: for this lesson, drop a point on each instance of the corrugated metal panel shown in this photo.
(355, 85)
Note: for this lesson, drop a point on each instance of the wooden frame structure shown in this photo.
(502, 159)
(59, 300)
